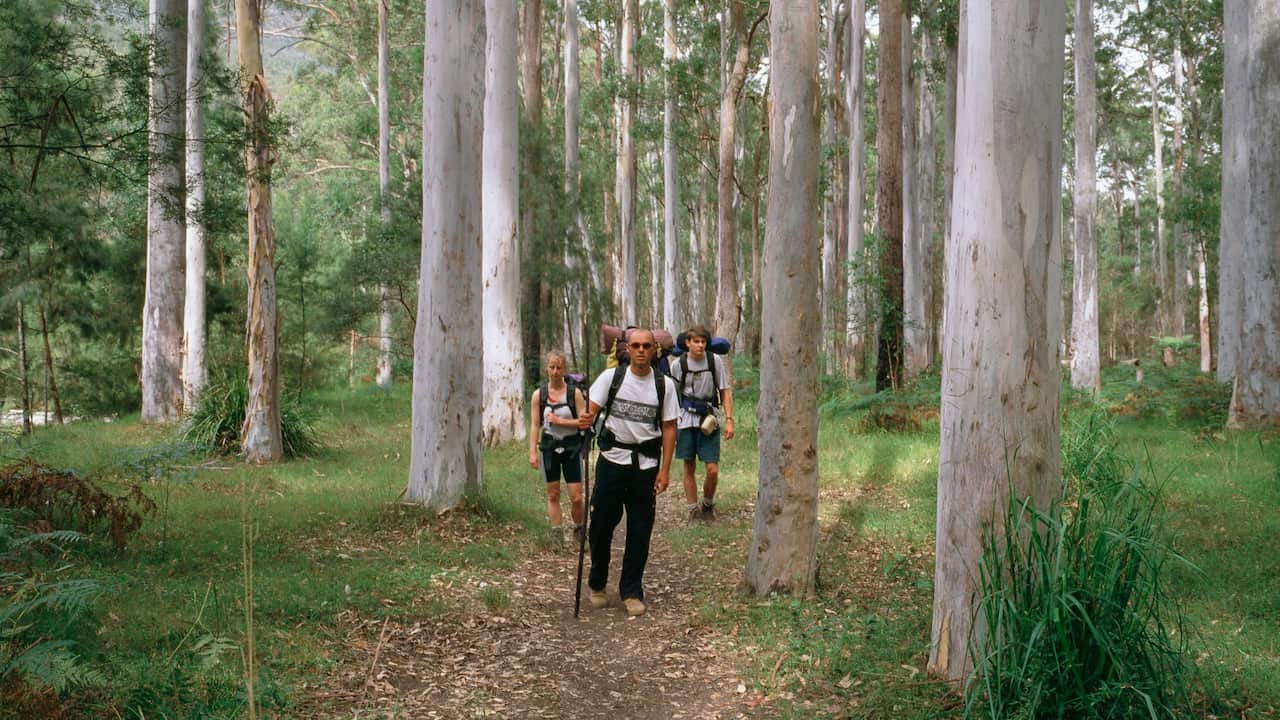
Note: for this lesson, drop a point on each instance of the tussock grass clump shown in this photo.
(1075, 602)
(214, 424)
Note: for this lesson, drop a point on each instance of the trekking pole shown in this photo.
(586, 513)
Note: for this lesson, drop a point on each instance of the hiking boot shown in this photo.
(635, 606)
(579, 536)
(598, 599)
(695, 515)
(557, 538)
(708, 513)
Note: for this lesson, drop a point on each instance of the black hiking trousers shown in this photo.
(618, 489)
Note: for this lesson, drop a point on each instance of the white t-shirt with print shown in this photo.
(634, 409)
(699, 384)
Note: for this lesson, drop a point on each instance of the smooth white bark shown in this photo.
(195, 372)
(625, 172)
(926, 174)
(1206, 336)
(915, 338)
(783, 552)
(162, 307)
(671, 315)
(728, 302)
(830, 219)
(1086, 354)
(503, 357)
(856, 313)
(1235, 178)
(445, 460)
(384, 378)
(1255, 401)
(1001, 375)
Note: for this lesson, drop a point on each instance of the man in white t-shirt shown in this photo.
(636, 444)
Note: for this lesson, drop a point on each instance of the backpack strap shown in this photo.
(542, 400)
(684, 378)
(619, 373)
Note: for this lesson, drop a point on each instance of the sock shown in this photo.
(708, 503)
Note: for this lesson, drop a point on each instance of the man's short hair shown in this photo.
(698, 331)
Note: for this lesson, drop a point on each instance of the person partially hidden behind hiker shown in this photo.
(703, 385)
(555, 443)
(638, 406)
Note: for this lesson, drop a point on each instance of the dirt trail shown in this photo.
(535, 660)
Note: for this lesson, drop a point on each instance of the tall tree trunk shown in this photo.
(384, 378)
(728, 312)
(927, 175)
(1085, 359)
(195, 371)
(1235, 183)
(783, 552)
(625, 169)
(1206, 337)
(48, 368)
(1179, 245)
(1000, 369)
(889, 204)
(948, 164)
(1255, 401)
(855, 291)
(504, 373)
(535, 314)
(672, 315)
(260, 435)
(24, 366)
(163, 305)
(577, 240)
(915, 342)
(830, 231)
(1164, 280)
(445, 458)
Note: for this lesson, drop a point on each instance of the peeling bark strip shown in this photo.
(1255, 401)
(260, 435)
(1001, 375)
(783, 553)
(444, 462)
(163, 305)
(504, 354)
(1086, 373)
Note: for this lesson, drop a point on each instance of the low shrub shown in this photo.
(214, 424)
(1079, 620)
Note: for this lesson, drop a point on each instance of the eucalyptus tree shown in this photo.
(195, 372)
(728, 310)
(1000, 374)
(260, 435)
(855, 301)
(500, 177)
(831, 61)
(1085, 358)
(625, 280)
(1255, 400)
(783, 552)
(889, 205)
(1236, 109)
(163, 306)
(672, 314)
(445, 439)
(384, 378)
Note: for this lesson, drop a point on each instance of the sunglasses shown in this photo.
(640, 346)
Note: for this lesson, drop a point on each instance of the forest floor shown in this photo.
(534, 659)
